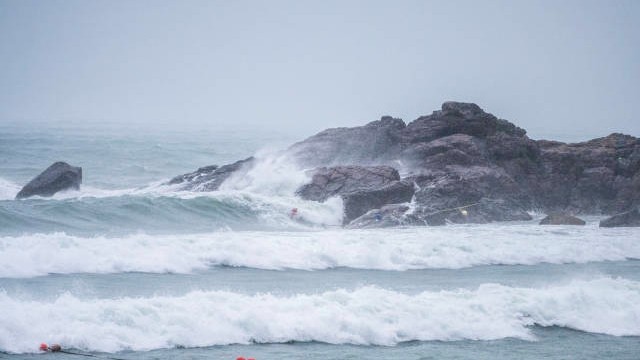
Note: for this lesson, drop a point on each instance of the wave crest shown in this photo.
(382, 249)
(366, 316)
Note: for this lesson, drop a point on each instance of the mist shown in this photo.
(565, 70)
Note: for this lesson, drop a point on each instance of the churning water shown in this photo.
(130, 268)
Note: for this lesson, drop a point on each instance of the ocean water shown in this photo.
(129, 268)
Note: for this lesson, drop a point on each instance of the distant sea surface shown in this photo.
(131, 268)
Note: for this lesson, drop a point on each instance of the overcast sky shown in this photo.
(563, 69)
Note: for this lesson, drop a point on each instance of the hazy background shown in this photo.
(560, 69)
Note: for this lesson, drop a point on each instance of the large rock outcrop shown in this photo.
(57, 177)
(461, 155)
(596, 176)
(459, 164)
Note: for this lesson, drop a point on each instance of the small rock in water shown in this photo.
(57, 177)
(561, 219)
(629, 218)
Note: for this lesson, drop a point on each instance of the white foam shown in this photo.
(8, 189)
(272, 173)
(450, 247)
(367, 316)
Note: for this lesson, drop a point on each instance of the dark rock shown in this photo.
(209, 178)
(595, 176)
(468, 165)
(339, 180)
(359, 202)
(456, 149)
(629, 218)
(458, 118)
(561, 219)
(193, 176)
(57, 177)
(470, 195)
(362, 188)
(387, 216)
(362, 145)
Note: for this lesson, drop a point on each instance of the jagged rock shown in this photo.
(359, 202)
(208, 178)
(561, 219)
(194, 176)
(484, 193)
(456, 149)
(457, 118)
(57, 177)
(362, 145)
(339, 180)
(629, 218)
(362, 188)
(596, 176)
(457, 156)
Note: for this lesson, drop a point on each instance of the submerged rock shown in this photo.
(57, 177)
(629, 218)
(387, 216)
(561, 219)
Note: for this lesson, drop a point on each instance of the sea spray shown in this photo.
(8, 189)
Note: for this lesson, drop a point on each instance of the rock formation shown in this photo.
(561, 219)
(459, 165)
(627, 218)
(208, 178)
(57, 177)
(361, 188)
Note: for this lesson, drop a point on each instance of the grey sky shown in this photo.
(563, 69)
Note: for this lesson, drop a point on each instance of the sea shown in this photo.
(128, 267)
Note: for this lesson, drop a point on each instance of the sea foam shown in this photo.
(450, 247)
(366, 316)
(8, 189)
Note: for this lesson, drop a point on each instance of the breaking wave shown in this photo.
(257, 198)
(175, 213)
(383, 249)
(365, 316)
(8, 189)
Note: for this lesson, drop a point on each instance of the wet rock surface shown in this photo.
(339, 180)
(57, 177)
(362, 188)
(208, 178)
(465, 166)
(561, 219)
(628, 218)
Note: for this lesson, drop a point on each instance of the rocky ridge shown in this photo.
(460, 165)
